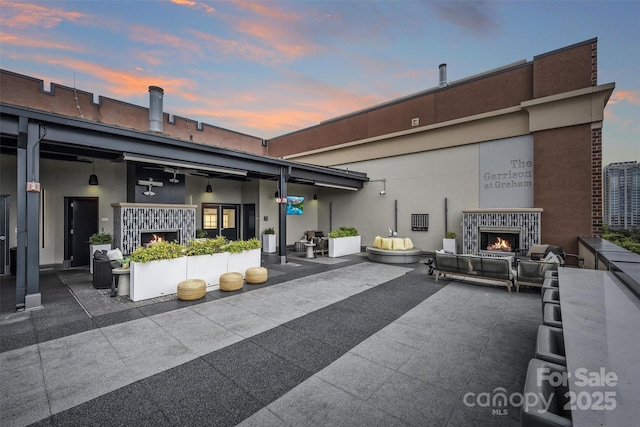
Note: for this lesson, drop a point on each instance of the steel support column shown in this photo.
(28, 212)
(282, 215)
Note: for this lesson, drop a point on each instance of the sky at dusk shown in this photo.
(267, 68)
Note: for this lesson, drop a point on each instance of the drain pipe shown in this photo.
(395, 215)
(446, 214)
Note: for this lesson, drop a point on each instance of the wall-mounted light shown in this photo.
(209, 188)
(93, 179)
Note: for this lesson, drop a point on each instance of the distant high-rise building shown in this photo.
(622, 195)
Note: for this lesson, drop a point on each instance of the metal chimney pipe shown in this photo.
(443, 75)
(155, 108)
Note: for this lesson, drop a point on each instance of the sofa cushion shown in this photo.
(408, 244)
(377, 242)
(386, 243)
(397, 244)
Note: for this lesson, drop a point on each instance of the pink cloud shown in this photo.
(24, 41)
(194, 4)
(630, 96)
(152, 36)
(26, 15)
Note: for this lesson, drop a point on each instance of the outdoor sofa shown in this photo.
(476, 267)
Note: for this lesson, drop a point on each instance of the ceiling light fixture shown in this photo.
(93, 179)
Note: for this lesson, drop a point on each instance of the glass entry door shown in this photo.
(220, 220)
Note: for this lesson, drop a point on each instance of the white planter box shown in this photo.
(240, 262)
(449, 245)
(344, 246)
(156, 278)
(269, 243)
(207, 267)
(92, 249)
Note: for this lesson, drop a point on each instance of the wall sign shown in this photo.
(506, 173)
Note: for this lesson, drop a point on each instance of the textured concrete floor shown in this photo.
(323, 342)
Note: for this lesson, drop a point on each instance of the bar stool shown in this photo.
(552, 315)
(550, 345)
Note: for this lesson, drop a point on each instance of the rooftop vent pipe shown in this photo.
(443, 75)
(155, 108)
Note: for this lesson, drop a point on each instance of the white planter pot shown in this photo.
(92, 249)
(268, 243)
(240, 262)
(449, 245)
(344, 246)
(207, 267)
(156, 278)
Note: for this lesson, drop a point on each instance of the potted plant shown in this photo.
(156, 270)
(98, 242)
(206, 259)
(344, 241)
(269, 240)
(449, 242)
(243, 254)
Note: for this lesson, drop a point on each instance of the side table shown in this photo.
(122, 277)
(310, 247)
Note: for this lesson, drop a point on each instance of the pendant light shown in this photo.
(93, 179)
(209, 188)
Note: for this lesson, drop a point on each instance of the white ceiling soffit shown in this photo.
(167, 162)
(341, 187)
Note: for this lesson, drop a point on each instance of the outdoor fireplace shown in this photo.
(136, 223)
(500, 231)
(149, 237)
(505, 240)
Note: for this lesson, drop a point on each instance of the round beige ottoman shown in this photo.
(256, 275)
(231, 281)
(191, 289)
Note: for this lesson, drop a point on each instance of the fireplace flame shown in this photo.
(500, 245)
(155, 240)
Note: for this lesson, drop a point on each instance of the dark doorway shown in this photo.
(80, 222)
(4, 232)
(248, 221)
(220, 220)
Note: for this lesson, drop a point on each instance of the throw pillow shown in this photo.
(537, 249)
(551, 257)
(377, 242)
(114, 254)
(386, 243)
(397, 244)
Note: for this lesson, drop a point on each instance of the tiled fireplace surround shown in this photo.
(527, 220)
(132, 219)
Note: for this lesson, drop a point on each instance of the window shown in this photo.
(210, 218)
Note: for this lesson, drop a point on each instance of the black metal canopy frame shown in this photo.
(74, 139)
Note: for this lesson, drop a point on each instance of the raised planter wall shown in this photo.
(342, 246)
(207, 267)
(157, 278)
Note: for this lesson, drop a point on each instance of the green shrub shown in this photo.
(269, 230)
(343, 232)
(238, 246)
(201, 234)
(100, 239)
(205, 246)
(158, 251)
(449, 235)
